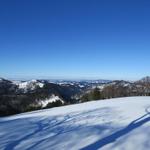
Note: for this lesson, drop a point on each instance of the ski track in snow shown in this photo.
(120, 124)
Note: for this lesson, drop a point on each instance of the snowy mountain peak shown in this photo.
(1, 79)
(30, 85)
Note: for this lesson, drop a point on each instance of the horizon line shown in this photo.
(66, 78)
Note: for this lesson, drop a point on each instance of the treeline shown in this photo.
(113, 91)
(14, 104)
(14, 100)
(94, 94)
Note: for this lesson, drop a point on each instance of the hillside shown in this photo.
(120, 124)
(23, 96)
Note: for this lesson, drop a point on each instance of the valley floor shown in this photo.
(118, 124)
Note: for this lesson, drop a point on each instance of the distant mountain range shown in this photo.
(22, 96)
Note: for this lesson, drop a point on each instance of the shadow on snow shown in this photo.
(113, 137)
(59, 127)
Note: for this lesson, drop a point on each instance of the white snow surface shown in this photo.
(52, 98)
(115, 124)
(29, 85)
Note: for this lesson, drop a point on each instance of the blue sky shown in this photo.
(75, 38)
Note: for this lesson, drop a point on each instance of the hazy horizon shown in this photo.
(67, 78)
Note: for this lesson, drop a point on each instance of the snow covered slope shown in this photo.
(116, 124)
(53, 98)
(29, 85)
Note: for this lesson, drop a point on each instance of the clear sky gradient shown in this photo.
(106, 39)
